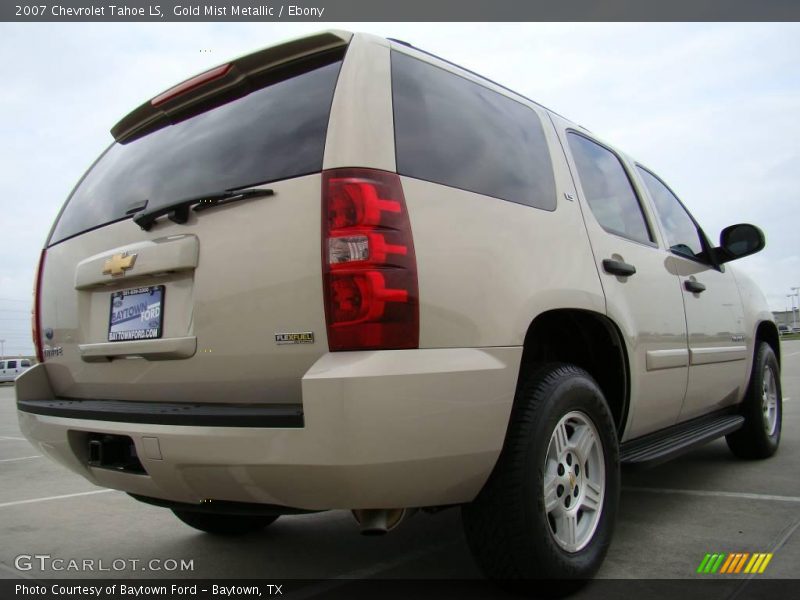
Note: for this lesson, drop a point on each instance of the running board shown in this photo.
(663, 445)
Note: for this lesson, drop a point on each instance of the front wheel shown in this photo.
(548, 509)
(223, 524)
(762, 409)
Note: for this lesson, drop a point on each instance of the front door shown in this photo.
(714, 315)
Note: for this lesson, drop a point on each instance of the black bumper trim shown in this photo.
(170, 413)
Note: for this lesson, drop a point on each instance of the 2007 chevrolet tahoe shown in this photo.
(342, 273)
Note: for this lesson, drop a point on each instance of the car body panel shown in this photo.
(229, 321)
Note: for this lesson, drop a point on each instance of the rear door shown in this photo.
(197, 307)
(642, 296)
(714, 315)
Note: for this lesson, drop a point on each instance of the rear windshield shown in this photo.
(273, 133)
(453, 131)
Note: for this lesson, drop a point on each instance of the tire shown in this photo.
(762, 409)
(224, 524)
(508, 528)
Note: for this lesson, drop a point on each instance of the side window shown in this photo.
(2, 364)
(12, 364)
(608, 190)
(455, 132)
(679, 228)
(25, 363)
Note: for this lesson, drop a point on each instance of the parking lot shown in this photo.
(670, 517)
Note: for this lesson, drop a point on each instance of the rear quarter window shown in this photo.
(455, 132)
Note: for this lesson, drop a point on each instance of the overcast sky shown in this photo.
(711, 108)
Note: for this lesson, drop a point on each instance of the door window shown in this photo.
(12, 364)
(608, 190)
(679, 227)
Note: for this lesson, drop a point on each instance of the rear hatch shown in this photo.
(185, 266)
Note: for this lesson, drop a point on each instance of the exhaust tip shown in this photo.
(379, 521)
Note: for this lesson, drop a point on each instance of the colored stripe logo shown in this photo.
(734, 562)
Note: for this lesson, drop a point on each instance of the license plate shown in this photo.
(136, 314)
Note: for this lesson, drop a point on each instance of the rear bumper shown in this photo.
(379, 430)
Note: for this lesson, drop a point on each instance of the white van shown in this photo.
(11, 367)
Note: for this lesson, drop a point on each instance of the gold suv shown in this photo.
(342, 273)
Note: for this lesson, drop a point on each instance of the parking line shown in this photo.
(9, 438)
(2, 460)
(62, 497)
(714, 493)
(784, 537)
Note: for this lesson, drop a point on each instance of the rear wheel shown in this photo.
(548, 510)
(224, 524)
(762, 409)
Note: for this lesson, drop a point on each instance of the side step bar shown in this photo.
(663, 445)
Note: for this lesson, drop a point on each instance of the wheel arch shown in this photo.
(589, 340)
(767, 331)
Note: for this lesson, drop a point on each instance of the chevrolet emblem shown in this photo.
(118, 264)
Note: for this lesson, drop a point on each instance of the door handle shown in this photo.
(617, 267)
(694, 286)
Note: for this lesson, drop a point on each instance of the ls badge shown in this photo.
(306, 337)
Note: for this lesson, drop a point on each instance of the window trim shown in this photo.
(653, 243)
(704, 241)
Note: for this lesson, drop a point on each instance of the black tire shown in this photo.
(755, 440)
(507, 528)
(224, 524)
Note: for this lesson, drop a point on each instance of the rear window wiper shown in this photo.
(178, 212)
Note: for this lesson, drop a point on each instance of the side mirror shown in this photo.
(738, 241)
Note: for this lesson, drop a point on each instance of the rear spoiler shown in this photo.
(192, 94)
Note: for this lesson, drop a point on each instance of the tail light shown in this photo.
(36, 325)
(368, 262)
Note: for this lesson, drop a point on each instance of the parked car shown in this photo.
(10, 368)
(784, 330)
(343, 273)
(795, 329)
